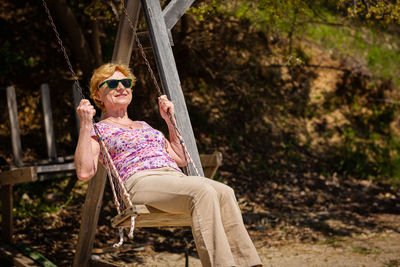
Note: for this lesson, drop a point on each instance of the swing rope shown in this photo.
(117, 185)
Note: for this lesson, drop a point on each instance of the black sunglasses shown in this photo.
(113, 84)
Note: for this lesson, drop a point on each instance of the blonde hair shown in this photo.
(102, 73)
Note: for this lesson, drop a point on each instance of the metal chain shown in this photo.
(63, 48)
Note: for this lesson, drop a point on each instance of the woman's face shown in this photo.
(120, 97)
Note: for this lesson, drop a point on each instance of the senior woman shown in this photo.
(148, 164)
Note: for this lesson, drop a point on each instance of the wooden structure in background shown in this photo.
(50, 168)
(22, 172)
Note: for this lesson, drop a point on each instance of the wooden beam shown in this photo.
(15, 133)
(211, 163)
(20, 175)
(90, 217)
(7, 226)
(48, 122)
(211, 160)
(56, 168)
(55, 175)
(174, 11)
(125, 38)
(169, 74)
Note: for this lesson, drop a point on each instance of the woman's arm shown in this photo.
(174, 147)
(87, 150)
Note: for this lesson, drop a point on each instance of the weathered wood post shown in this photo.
(48, 122)
(90, 218)
(15, 133)
(169, 74)
(125, 35)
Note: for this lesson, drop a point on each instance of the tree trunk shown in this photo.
(80, 49)
(96, 45)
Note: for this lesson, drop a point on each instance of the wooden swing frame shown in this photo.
(160, 23)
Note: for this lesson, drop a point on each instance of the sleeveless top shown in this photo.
(133, 150)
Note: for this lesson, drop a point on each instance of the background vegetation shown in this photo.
(299, 96)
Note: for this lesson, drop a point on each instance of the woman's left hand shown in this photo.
(166, 105)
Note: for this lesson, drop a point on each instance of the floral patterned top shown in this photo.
(133, 150)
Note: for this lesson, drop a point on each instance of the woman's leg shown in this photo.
(242, 247)
(173, 192)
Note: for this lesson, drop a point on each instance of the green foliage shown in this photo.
(15, 61)
(35, 200)
(98, 10)
(367, 146)
(379, 50)
(369, 149)
(204, 9)
(375, 11)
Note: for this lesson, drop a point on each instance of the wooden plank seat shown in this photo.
(147, 216)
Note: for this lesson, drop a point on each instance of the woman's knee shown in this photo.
(225, 191)
(205, 190)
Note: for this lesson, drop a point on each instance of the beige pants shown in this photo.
(217, 225)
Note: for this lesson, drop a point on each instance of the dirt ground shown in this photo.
(328, 223)
(362, 248)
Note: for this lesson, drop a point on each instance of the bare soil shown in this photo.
(333, 223)
(365, 248)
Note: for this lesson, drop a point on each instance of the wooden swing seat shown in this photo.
(147, 216)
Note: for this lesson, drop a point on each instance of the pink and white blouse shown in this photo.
(133, 150)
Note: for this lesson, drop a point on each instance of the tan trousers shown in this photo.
(217, 225)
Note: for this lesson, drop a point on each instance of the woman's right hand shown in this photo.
(85, 111)
(88, 149)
